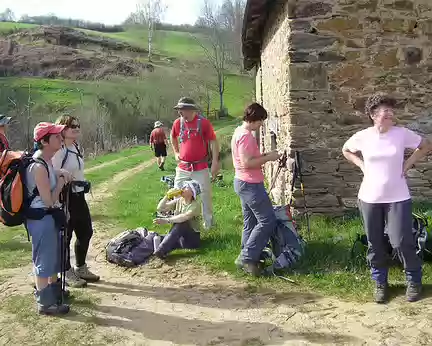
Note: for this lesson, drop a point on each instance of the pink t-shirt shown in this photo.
(383, 157)
(244, 143)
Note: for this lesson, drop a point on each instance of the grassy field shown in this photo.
(327, 268)
(8, 27)
(173, 44)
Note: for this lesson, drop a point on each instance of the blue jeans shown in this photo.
(45, 238)
(259, 219)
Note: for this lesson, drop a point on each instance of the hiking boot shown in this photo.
(47, 304)
(381, 293)
(73, 280)
(55, 309)
(413, 292)
(238, 262)
(253, 269)
(84, 273)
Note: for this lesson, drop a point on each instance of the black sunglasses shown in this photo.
(73, 127)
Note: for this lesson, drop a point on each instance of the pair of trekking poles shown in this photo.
(64, 248)
(296, 174)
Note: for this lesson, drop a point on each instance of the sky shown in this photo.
(102, 11)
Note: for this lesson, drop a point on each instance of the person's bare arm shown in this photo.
(423, 149)
(43, 185)
(215, 157)
(215, 150)
(255, 162)
(175, 146)
(353, 157)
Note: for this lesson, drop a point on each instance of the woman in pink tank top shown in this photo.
(384, 198)
(258, 214)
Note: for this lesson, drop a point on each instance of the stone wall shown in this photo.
(320, 60)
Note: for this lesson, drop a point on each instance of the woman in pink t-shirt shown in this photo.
(384, 197)
(258, 214)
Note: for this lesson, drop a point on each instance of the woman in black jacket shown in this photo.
(69, 157)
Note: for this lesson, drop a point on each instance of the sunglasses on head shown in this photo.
(75, 126)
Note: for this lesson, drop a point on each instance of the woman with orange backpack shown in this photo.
(45, 218)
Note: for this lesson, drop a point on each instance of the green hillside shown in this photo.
(131, 101)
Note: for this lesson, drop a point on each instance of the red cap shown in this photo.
(43, 129)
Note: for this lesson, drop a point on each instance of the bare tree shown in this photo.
(215, 47)
(7, 16)
(231, 18)
(149, 12)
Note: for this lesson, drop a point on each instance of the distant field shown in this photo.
(176, 44)
(7, 27)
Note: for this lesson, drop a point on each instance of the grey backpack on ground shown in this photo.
(131, 247)
(286, 247)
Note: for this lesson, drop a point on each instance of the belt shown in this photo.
(192, 163)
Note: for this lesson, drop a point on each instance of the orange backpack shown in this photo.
(15, 199)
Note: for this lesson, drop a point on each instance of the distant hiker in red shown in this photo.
(158, 142)
(191, 136)
(4, 143)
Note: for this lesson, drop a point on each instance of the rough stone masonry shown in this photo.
(319, 62)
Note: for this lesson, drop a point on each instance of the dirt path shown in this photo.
(163, 304)
(109, 163)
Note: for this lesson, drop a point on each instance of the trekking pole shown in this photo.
(63, 241)
(300, 176)
(282, 164)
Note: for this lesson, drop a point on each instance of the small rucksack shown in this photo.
(208, 158)
(131, 247)
(286, 246)
(15, 199)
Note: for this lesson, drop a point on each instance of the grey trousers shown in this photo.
(259, 219)
(398, 217)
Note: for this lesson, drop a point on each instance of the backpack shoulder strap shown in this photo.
(78, 153)
(182, 126)
(77, 149)
(43, 163)
(35, 190)
(65, 157)
(199, 126)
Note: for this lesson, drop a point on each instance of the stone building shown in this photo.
(316, 62)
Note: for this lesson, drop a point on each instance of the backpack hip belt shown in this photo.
(191, 164)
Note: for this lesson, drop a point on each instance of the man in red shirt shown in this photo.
(4, 143)
(158, 142)
(191, 136)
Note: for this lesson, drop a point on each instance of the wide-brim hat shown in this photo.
(186, 103)
(4, 120)
(158, 124)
